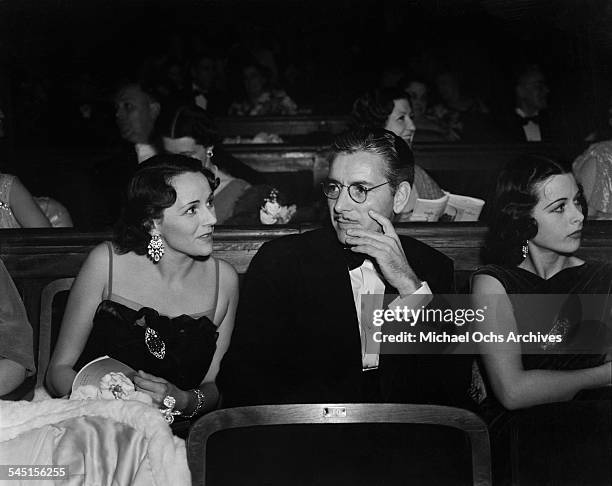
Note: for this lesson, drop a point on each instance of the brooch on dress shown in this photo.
(154, 343)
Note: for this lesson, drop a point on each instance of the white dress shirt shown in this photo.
(366, 280)
(531, 129)
(144, 151)
(200, 98)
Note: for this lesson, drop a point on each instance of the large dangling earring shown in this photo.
(155, 248)
(525, 249)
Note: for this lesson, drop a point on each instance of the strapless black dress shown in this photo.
(178, 349)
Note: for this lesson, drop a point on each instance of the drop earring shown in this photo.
(155, 248)
(525, 249)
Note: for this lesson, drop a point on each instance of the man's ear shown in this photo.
(400, 199)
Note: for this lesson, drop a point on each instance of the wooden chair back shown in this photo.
(342, 413)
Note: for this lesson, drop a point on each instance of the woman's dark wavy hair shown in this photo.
(374, 107)
(393, 150)
(194, 122)
(512, 222)
(150, 192)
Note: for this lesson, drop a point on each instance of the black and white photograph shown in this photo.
(306, 242)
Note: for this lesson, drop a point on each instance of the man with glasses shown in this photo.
(299, 335)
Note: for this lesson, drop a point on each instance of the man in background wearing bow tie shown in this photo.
(530, 120)
(299, 335)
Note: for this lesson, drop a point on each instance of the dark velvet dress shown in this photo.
(571, 441)
(178, 349)
(120, 332)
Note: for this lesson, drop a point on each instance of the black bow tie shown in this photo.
(534, 119)
(354, 260)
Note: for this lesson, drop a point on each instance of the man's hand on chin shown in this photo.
(386, 249)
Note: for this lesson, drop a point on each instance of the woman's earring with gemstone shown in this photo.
(525, 249)
(155, 248)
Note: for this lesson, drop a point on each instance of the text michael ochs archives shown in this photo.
(450, 323)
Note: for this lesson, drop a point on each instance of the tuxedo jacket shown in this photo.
(512, 126)
(296, 338)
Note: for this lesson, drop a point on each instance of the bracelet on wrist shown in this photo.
(200, 401)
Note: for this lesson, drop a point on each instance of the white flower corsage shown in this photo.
(113, 386)
(272, 212)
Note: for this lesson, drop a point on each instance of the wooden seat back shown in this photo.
(347, 413)
(41, 261)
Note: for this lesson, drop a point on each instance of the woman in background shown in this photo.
(191, 132)
(390, 109)
(18, 209)
(261, 99)
(155, 298)
(593, 170)
(241, 192)
(429, 128)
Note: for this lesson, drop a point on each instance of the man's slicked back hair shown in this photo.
(395, 152)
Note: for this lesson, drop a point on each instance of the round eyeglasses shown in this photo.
(358, 192)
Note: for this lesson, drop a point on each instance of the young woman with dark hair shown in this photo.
(155, 298)
(536, 229)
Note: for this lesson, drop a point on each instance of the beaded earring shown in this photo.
(155, 248)
(525, 249)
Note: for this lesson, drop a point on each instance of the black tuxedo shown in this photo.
(512, 126)
(297, 340)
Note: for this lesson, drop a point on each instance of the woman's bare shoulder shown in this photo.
(484, 283)
(228, 277)
(99, 256)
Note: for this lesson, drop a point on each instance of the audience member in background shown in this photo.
(391, 110)
(172, 78)
(16, 346)
(529, 121)
(155, 299)
(261, 98)
(462, 112)
(428, 127)
(190, 131)
(204, 92)
(536, 229)
(593, 171)
(18, 209)
(136, 112)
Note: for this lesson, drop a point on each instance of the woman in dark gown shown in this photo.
(155, 298)
(527, 390)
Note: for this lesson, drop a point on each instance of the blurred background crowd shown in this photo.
(96, 75)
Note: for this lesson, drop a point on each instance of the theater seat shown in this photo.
(301, 420)
(48, 325)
